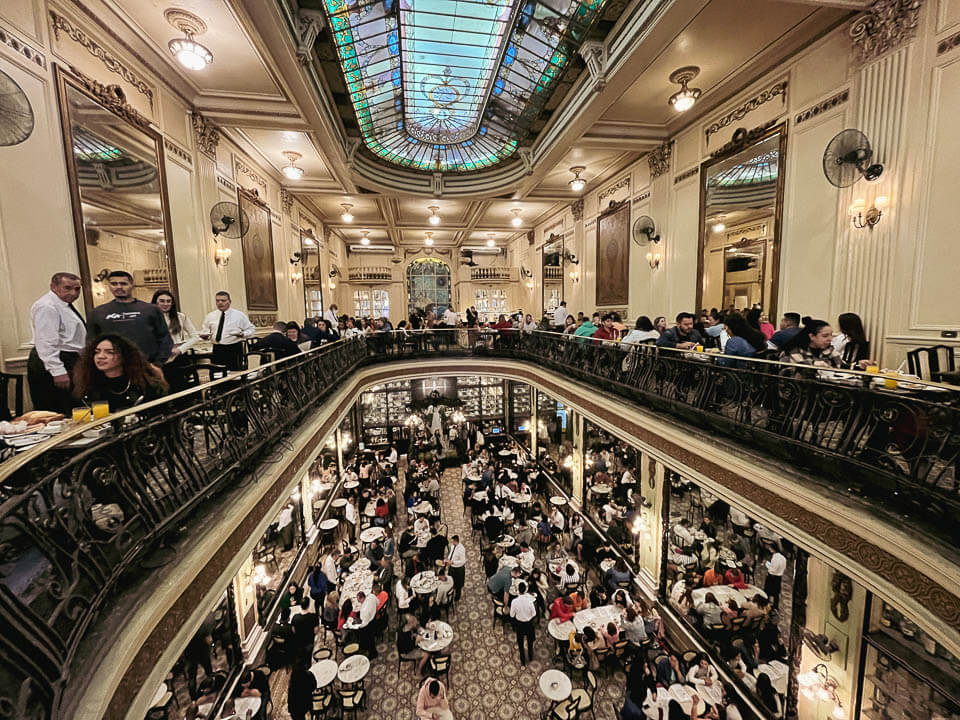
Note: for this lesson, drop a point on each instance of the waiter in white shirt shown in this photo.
(330, 315)
(560, 316)
(523, 610)
(450, 318)
(365, 628)
(228, 328)
(776, 566)
(59, 334)
(456, 564)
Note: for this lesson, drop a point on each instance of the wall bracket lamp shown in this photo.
(863, 217)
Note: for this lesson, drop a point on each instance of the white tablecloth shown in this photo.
(596, 617)
(436, 636)
(725, 592)
(424, 583)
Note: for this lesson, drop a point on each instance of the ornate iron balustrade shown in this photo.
(74, 519)
(899, 446)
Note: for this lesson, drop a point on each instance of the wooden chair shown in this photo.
(500, 612)
(567, 710)
(322, 654)
(928, 362)
(584, 696)
(737, 623)
(602, 655)
(351, 701)
(400, 659)
(322, 702)
(689, 657)
(621, 650)
(446, 603)
(439, 665)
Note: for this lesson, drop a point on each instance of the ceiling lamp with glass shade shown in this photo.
(578, 183)
(434, 218)
(346, 215)
(685, 97)
(365, 240)
(516, 220)
(188, 52)
(428, 240)
(291, 171)
(490, 241)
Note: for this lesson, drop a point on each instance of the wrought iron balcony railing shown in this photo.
(77, 514)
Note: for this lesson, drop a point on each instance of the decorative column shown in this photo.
(534, 421)
(865, 256)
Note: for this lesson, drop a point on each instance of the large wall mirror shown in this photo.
(118, 189)
(552, 273)
(741, 198)
(312, 275)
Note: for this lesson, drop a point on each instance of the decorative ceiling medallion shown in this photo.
(16, 115)
(453, 85)
(885, 26)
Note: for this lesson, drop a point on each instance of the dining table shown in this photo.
(353, 669)
(558, 500)
(371, 534)
(324, 671)
(435, 636)
(556, 565)
(424, 583)
(597, 617)
(555, 685)
(723, 593)
(683, 694)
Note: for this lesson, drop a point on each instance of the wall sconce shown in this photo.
(308, 237)
(862, 217)
(574, 275)
(334, 272)
(570, 258)
(295, 258)
(99, 289)
(653, 260)
(221, 256)
(817, 686)
(525, 273)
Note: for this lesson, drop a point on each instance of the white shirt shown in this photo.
(236, 326)
(557, 519)
(639, 336)
(353, 332)
(330, 569)
(331, 317)
(526, 560)
(403, 597)
(457, 556)
(368, 610)
(776, 565)
(392, 457)
(443, 587)
(188, 335)
(523, 608)
(711, 675)
(56, 329)
(683, 533)
(450, 318)
(529, 327)
(560, 316)
(626, 478)
(350, 513)
(286, 517)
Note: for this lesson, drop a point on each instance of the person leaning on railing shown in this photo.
(112, 369)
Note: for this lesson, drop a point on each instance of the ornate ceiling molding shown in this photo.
(62, 24)
(695, 170)
(888, 24)
(659, 159)
(19, 46)
(174, 149)
(821, 107)
(111, 97)
(948, 44)
(206, 134)
(286, 200)
(243, 169)
(623, 183)
(778, 89)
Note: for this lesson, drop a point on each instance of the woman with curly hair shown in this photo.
(112, 369)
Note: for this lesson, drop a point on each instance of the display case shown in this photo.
(383, 411)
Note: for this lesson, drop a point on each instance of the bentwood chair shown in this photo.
(567, 710)
(322, 703)
(439, 665)
(351, 701)
(584, 696)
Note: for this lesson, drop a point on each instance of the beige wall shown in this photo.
(899, 277)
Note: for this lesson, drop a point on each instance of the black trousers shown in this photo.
(457, 573)
(46, 395)
(526, 631)
(230, 356)
(771, 586)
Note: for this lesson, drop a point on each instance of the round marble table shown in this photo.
(506, 453)
(506, 541)
(555, 566)
(435, 637)
(555, 685)
(350, 484)
(371, 534)
(601, 489)
(329, 524)
(338, 503)
(560, 630)
(422, 508)
(324, 671)
(558, 500)
(354, 669)
(424, 583)
(521, 498)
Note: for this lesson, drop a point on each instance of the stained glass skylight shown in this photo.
(453, 85)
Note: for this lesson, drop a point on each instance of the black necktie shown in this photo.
(75, 312)
(223, 316)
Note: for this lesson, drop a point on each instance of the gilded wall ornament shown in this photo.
(286, 200)
(659, 159)
(111, 97)
(206, 134)
(778, 89)
(888, 24)
(577, 210)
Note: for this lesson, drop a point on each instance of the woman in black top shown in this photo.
(300, 690)
(856, 347)
(112, 369)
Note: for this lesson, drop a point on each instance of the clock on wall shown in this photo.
(16, 115)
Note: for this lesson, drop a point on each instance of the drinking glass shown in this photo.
(101, 410)
(81, 414)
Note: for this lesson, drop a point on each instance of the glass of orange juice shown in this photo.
(890, 381)
(81, 414)
(873, 369)
(100, 409)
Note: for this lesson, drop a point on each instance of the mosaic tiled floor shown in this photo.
(486, 678)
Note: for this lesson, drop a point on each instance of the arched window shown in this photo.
(428, 285)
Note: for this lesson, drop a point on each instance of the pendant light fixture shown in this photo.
(189, 53)
(291, 171)
(578, 183)
(685, 97)
(346, 215)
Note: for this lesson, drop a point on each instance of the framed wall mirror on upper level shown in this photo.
(118, 189)
(551, 269)
(741, 199)
(312, 274)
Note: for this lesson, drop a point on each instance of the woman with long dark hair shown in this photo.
(184, 335)
(851, 343)
(643, 332)
(813, 346)
(112, 369)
